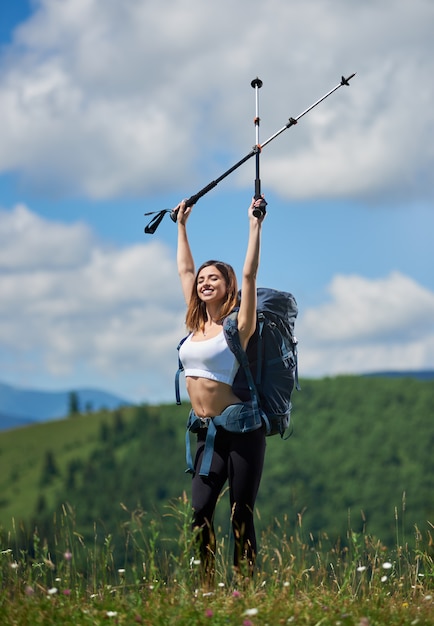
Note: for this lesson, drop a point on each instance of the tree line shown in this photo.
(359, 457)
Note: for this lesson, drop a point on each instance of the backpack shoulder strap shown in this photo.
(230, 329)
(180, 369)
(295, 353)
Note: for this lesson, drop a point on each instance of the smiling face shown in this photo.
(211, 285)
(214, 291)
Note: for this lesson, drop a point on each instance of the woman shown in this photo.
(210, 368)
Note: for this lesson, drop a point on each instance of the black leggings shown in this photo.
(238, 458)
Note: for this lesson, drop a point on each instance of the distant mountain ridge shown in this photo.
(20, 407)
(419, 374)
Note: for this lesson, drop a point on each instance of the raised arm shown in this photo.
(247, 312)
(184, 257)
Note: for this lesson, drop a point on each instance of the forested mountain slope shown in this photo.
(360, 455)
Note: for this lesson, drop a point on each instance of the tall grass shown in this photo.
(299, 579)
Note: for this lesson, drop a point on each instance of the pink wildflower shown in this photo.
(208, 613)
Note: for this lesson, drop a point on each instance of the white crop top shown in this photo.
(211, 358)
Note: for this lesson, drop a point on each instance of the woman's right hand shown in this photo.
(182, 212)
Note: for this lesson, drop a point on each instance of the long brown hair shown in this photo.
(196, 311)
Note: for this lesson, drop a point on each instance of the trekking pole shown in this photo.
(155, 222)
(260, 210)
(294, 120)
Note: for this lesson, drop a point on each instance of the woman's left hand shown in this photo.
(255, 205)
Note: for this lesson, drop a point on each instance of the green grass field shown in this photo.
(297, 581)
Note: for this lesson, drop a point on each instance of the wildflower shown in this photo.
(286, 583)
(383, 579)
(52, 591)
(111, 613)
(250, 612)
(14, 565)
(121, 571)
(361, 568)
(221, 585)
(236, 594)
(67, 555)
(29, 591)
(387, 565)
(208, 613)
(247, 622)
(66, 592)
(428, 598)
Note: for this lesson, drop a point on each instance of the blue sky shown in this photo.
(109, 110)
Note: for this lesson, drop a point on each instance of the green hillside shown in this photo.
(38, 463)
(361, 450)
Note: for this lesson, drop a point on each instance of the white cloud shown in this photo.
(369, 325)
(76, 312)
(42, 244)
(103, 98)
(115, 312)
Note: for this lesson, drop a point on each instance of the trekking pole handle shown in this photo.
(193, 199)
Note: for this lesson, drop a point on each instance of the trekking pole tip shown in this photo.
(346, 81)
(256, 82)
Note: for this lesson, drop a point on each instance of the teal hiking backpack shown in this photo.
(268, 367)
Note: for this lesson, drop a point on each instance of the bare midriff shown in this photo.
(208, 397)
